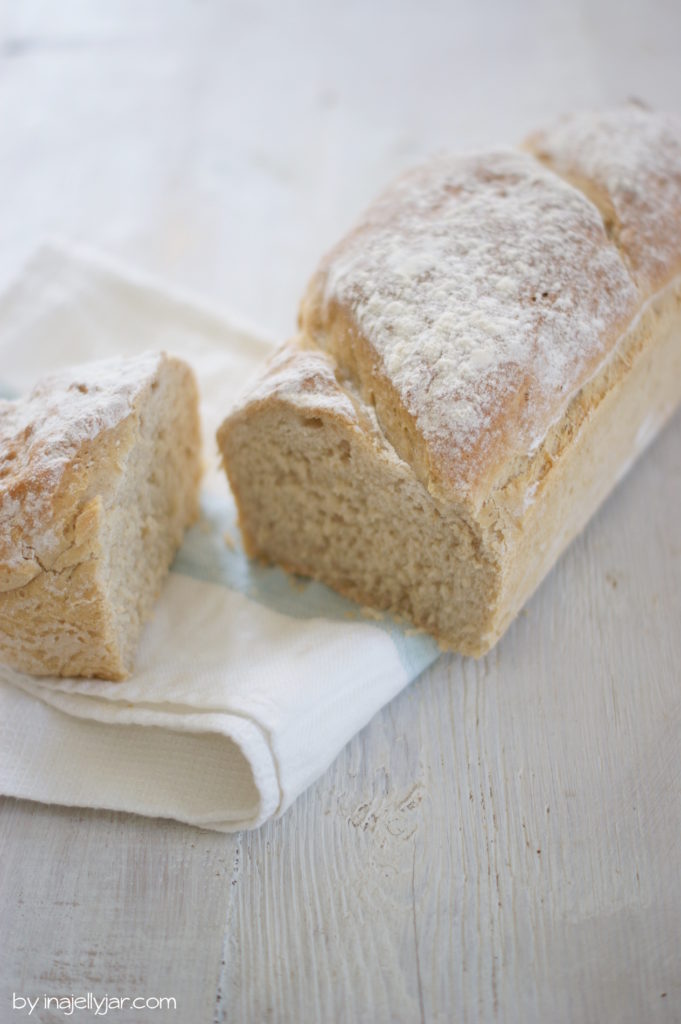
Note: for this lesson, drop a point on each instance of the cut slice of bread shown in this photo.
(99, 477)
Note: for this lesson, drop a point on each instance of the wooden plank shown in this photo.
(111, 903)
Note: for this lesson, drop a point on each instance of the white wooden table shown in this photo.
(503, 842)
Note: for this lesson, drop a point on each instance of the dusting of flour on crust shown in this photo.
(487, 288)
(630, 160)
(41, 436)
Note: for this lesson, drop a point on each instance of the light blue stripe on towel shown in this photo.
(212, 552)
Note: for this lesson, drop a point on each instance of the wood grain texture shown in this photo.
(503, 842)
(111, 903)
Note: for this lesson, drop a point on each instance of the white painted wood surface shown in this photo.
(503, 842)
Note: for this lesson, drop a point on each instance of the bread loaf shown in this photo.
(479, 362)
(99, 474)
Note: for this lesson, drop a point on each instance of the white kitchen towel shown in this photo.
(248, 682)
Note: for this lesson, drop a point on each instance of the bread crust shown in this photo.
(628, 163)
(470, 363)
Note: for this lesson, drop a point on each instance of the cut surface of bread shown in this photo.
(478, 363)
(99, 477)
